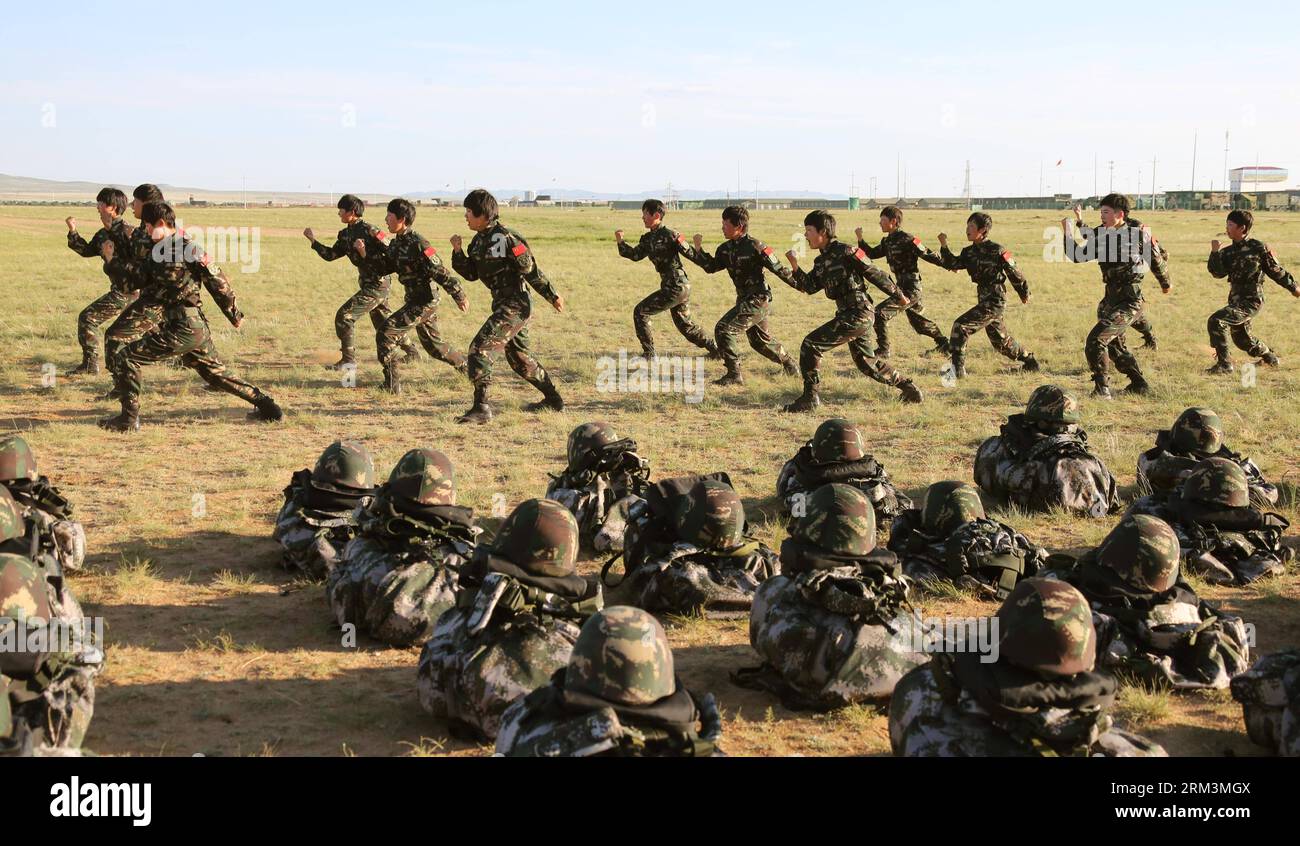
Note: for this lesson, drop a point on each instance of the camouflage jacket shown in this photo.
(956, 707)
(1222, 545)
(398, 576)
(1121, 252)
(745, 259)
(1159, 257)
(665, 249)
(902, 251)
(417, 266)
(1039, 470)
(1173, 638)
(832, 636)
(802, 475)
(1163, 470)
(120, 234)
(1245, 263)
(990, 267)
(603, 501)
(49, 514)
(984, 555)
(313, 538)
(1269, 693)
(175, 274)
(508, 634)
(501, 258)
(132, 264)
(551, 722)
(843, 271)
(371, 269)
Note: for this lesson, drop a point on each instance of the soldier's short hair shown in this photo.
(148, 193)
(112, 197)
(158, 212)
(736, 216)
(821, 220)
(983, 222)
(352, 203)
(481, 202)
(654, 207)
(404, 209)
(894, 213)
(1118, 202)
(1241, 217)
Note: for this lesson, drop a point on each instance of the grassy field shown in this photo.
(212, 649)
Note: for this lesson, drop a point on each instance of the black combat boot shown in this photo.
(732, 376)
(807, 401)
(480, 411)
(910, 393)
(1030, 363)
(1270, 359)
(1222, 364)
(89, 366)
(266, 410)
(550, 397)
(790, 366)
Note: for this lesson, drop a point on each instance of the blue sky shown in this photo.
(337, 96)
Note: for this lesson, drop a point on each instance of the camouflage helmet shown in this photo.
(1217, 481)
(541, 537)
(1046, 626)
(1143, 551)
(711, 516)
(12, 524)
(586, 441)
(16, 460)
(23, 596)
(949, 505)
(838, 518)
(838, 440)
(346, 465)
(1051, 404)
(1197, 430)
(621, 655)
(424, 476)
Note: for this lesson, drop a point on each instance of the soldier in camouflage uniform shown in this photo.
(745, 258)
(1150, 623)
(902, 251)
(52, 691)
(1041, 460)
(417, 266)
(1245, 262)
(665, 249)
(688, 553)
(111, 203)
(145, 314)
(838, 453)
(518, 611)
(41, 505)
(399, 574)
(990, 267)
(501, 258)
(319, 515)
(372, 277)
(617, 697)
(1159, 264)
(603, 484)
(1197, 434)
(1122, 252)
(1042, 696)
(952, 539)
(835, 627)
(842, 271)
(1269, 693)
(1224, 539)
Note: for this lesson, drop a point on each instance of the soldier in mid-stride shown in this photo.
(902, 251)
(1245, 262)
(110, 203)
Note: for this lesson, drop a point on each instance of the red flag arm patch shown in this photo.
(860, 255)
(429, 251)
(767, 251)
(381, 235)
(519, 250)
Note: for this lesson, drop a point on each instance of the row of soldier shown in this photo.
(156, 273)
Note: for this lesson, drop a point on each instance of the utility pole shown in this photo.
(755, 192)
(1193, 185)
(1111, 188)
(898, 175)
(1153, 183)
(965, 191)
(1226, 184)
(873, 189)
(245, 178)
(1094, 174)
(1040, 177)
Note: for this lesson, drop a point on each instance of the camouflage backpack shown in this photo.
(24, 599)
(12, 524)
(1269, 693)
(16, 460)
(1046, 627)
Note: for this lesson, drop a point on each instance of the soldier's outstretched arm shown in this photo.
(640, 251)
(338, 251)
(443, 276)
(1073, 251)
(807, 283)
(949, 261)
(92, 249)
(218, 286)
(542, 285)
(875, 252)
(773, 265)
(1275, 271)
(883, 281)
(461, 261)
(1217, 267)
(707, 263)
(1018, 280)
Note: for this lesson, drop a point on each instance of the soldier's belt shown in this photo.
(182, 312)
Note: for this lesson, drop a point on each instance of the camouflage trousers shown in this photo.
(1106, 340)
(505, 329)
(136, 320)
(851, 327)
(189, 337)
(369, 300)
(1237, 320)
(990, 318)
(424, 318)
(675, 301)
(915, 312)
(106, 308)
(748, 315)
(1143, 327)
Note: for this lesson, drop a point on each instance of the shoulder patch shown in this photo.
(860, 255)
(204, 260)
(767, 251)
(917, 242)
(429, 251)
(1006, 254)
(381, 235)
(681, 239)
(519, 250)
